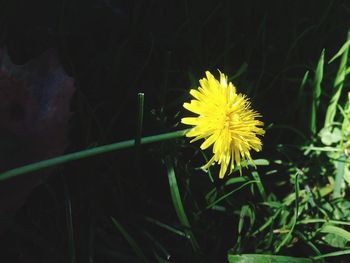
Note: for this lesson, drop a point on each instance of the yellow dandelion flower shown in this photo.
(225, 121)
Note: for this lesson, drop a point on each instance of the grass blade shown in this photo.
(236, 180)
(296, 214)
(177, 202)
(69, 222)
(301, 90)
(259, 185)
(246, 212)
(308, 242)
(140, 102)
(139, 125)
(342, 50)
(333, 254)
(260, 258)
(316, 92)
(338, 83)
(136, 248)
(320, 220)
(165, 226)
(268, 222)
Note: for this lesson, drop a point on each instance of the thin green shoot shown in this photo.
(316, 93)
(338, 83)
(296, 214)
(87, 153)
(136, 248)
(177, 202)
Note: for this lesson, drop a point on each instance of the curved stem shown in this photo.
(87, 153)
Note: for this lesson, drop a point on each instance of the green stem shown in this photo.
(140, 102)
(87, 153)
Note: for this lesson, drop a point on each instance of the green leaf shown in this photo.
(341, 51)
(329, 136)
(260, 258)
(346, 175)
(301, 94)
(211, 195)
(165, 226)
(316, 92)
(175, 195)
(259, 185)
(335, 240)
(246, 211)
(338, 83)
(339, 176)
(260, 162)
(268, 222)
(235, 180)
(336, 236)
(333, 254)
(223, 197)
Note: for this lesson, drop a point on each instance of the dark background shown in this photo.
(115, 49)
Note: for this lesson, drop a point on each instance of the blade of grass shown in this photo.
(228, 194)
(235, 180)
(140, 102)
(157, 244)
(246, 212)
(338, 83)
(165, 226)
(268, 222)
(308, 242)
(301, 90)
(139, 125)
(296, 214)
(259, 185)
(316, 92)
(177, 202)
(320, 220)
(260, 258)
(136, 248)
(240, 71)
(344, 48)
(333, 254)
(159, 259)
(69, 222)
(87, 153)
(254, 163)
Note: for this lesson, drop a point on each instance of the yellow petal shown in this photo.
(193, 106)
(190, 120)
(209, 141)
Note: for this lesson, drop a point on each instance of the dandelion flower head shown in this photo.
(225, 121)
